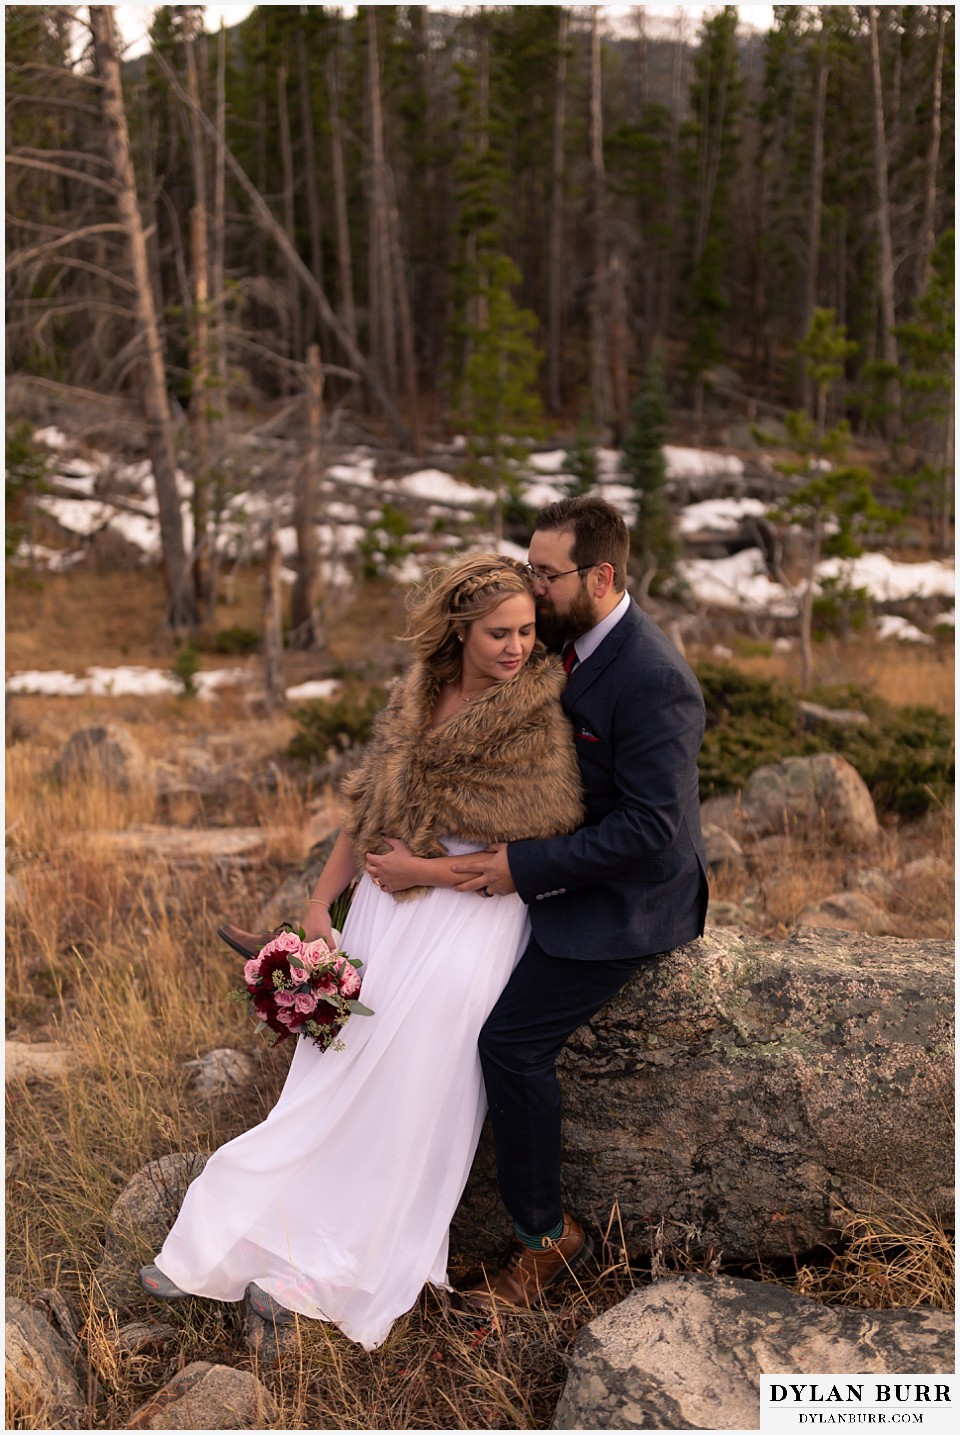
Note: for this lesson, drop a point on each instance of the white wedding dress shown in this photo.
(339, 1203)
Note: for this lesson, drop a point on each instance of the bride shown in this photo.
(338, 1205)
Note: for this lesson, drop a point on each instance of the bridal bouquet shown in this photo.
(299, 988)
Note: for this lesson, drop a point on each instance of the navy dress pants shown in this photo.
(543, 1003)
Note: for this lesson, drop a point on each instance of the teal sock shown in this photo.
(535, 1242)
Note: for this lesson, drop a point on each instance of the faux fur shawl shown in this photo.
(501, 769)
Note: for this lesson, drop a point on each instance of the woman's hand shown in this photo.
(394, 870)
(316, 923)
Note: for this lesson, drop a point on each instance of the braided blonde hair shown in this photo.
(452, 598)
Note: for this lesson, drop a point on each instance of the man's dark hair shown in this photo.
(599, 533)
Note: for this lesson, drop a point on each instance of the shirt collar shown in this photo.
(589, 642)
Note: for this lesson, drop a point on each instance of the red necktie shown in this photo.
(569, 658)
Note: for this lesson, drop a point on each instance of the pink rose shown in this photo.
(314, 954)
(285, 999)
(349, 980)
(286, 1017)
(305, 1002)
(328, 986)
(280, 945)
(251, 971)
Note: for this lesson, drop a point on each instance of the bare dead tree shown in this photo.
(885, 278)
(260, 211)
(599, 355)
(555, 332)
(344, 257)
(304, 623)
(181, 609)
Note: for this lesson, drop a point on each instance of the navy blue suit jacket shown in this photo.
(632, 879)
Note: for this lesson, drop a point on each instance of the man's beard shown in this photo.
(555, 628)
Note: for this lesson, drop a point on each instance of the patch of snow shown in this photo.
(719, 650)
(52, 682)
(310, 691)
(609, 464)
(739, 582)
(120, 682)
(783, 645)
(51, 438)
(439, 487)
(207, 683)
(340, 537)
(890, 626)
(700, 463)
(142, 532)
(132, 682)
(75, 515)
(359, 473)
(54, 560)
(538, 495)
(552, 462)
(138, 473)
(410, 570)
(888, 581)
(341, 512)
(512, 550)
(947, 620)
(719, 515)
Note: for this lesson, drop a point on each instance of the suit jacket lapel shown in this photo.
(585, 674)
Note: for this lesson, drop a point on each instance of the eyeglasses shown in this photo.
(545, 579)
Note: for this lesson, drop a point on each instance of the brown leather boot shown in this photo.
(527, 1274)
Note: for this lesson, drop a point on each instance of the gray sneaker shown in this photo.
(264, 1305)
(155, 1283)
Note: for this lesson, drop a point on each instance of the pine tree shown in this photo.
(644, 463)
(501, 383)
(832, 501)
(927, 374)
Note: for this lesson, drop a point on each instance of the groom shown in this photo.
(629, 884)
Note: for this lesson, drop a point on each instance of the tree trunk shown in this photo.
(888, 317)
(181, 610)
(304, 625)
(294, 340)
(310, 169)
(383, 342)
(218, 315)
(816, 199)
(599, 357)
(619, 338)
(260, 211)
(273, 684)
(806, 605)
(928, 224)
(200, 345)
(555, 332)
(344, 259)
(677, 90)
(260, 247)
(405, 317)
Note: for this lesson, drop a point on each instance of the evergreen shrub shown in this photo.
(338, 723)
(905, 755)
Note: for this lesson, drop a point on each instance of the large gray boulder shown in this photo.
(688, 1353)
(106, 753)
(139, 1221)
(750, 1091)
(208, 1397)
(823, 793)
(42, 1384)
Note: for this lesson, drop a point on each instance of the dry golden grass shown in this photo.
(894, 1258)
(903, 674)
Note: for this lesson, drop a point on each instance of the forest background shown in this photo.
(486, 221)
